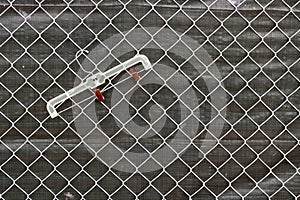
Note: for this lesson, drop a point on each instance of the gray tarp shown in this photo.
(266, 83)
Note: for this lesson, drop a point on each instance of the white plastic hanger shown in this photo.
(96, 80)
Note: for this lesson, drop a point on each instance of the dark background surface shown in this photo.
(258, 154)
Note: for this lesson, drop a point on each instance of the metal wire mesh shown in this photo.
(216, 117)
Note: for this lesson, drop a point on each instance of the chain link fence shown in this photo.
(216, 117)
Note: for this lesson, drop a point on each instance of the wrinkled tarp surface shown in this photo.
(255, 50)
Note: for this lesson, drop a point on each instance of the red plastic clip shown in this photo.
(99, 95)
(134, 74)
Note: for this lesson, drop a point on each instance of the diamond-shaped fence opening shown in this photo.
(216, 115)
